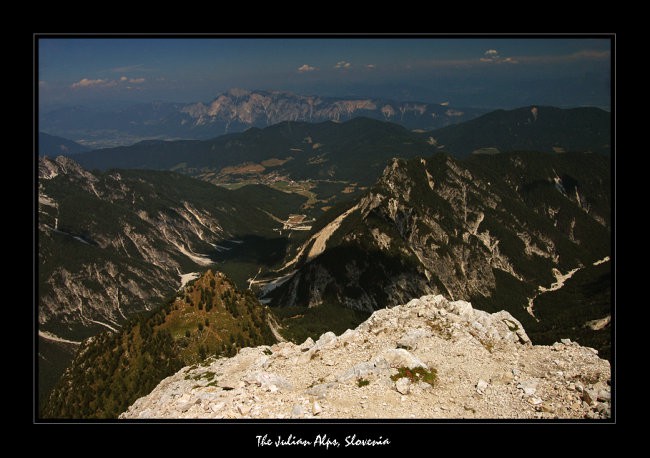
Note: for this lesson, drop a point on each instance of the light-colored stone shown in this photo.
(217, 407)
(357, 371)
(320, 390)
(268, 379)
(326, 339)
(604, 395)
(316, 409)
(297, 411)
(529, 387)
(307, 344)
(398, 357)
(410, 340)
(403, 385)
(451, 339)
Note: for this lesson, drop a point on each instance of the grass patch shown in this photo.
(361, 382)
(419, 374)
(207, 375)
(443, 331)
(204, 376)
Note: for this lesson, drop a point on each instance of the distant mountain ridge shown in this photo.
(532, 128)
(237, 110)
(355, 150)
(51, 145)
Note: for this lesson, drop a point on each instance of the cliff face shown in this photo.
(241, 107)
(498, 232)
(429, 358)
(116, 243)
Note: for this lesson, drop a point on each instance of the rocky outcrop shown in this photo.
(429, 358)
(475, 229)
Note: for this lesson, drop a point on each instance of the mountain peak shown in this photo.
(238, 92)
(61, 165)
(429, 358)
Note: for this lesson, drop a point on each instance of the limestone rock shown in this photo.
(403, 385)
(409, 341)
(398, 357)
(297, 411)
(529, 387)
(446, 342)
(316, 409)
(481, 386)
(268, 379)
(307, 344)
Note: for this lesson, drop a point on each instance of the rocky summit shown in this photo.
(429, 358)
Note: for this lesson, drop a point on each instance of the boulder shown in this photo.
(409, 341)
(403, 385)
(268, 379)
(398, 357)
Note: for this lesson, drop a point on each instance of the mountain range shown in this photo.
(117, 243)
(325, 223)
(234, 111)
(328, 158)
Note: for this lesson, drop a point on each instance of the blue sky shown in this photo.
(490, 72)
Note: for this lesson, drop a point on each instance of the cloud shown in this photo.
(371, 66)
(343, 64)
(306, 68)
(105, 83)
(85, 82)
(493, 56)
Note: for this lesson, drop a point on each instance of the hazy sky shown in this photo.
(487, 72)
